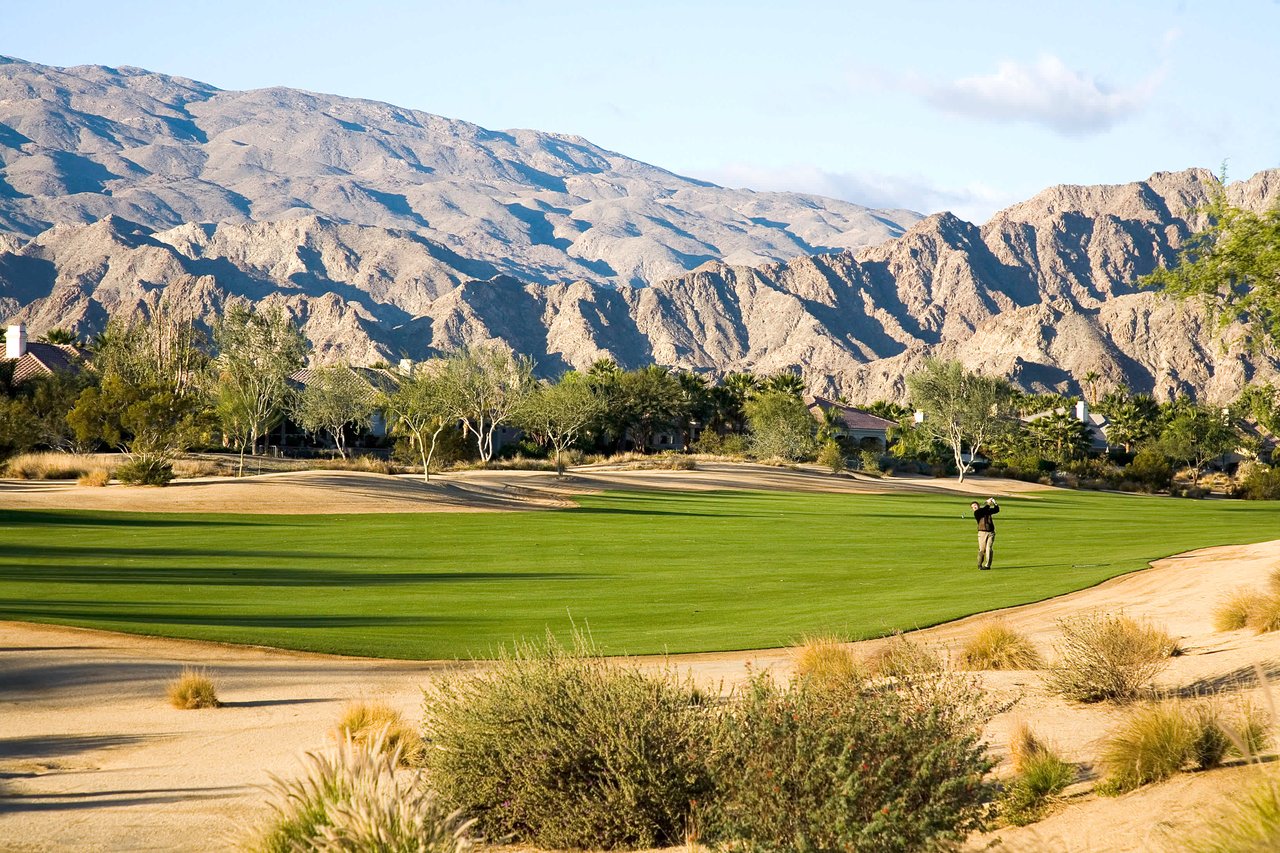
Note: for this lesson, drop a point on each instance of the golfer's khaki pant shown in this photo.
(986, 548)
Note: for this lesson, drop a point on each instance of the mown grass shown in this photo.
(647, 571)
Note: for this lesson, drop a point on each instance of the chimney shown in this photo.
(1082, 412)
(406, 367)
(15, 341)
(919, 416)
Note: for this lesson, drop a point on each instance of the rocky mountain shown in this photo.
(81, 144)
(1044, 292)
(390, 233)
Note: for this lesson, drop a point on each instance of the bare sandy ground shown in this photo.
(313, 492)
(91, 756)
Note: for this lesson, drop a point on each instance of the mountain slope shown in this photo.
(1044, 292)
(80, 144)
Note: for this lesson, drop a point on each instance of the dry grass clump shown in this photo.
(56, 466)
(191, 468)
(1041, 776)
(358, 800)
(97, 478)
(377, 722)
(1104, 656)
(1251, 825)
(193, 689)
(1233, 611)
(997, 646)
(366, 464)
(1160, 739)
(1264, 617)
(902, 657)
(827, 661)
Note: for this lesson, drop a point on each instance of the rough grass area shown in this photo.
(650, 572)
(997, 646)
(58, 466)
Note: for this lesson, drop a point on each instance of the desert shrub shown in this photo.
(735, 444)
(869, 461)
(903, 657)
(806, 768)
(193, 689)
(1250, 825)
(831, 457)
(1155, 742)
(1261, 484)
(54, 466)
(190, 468)
(1234, 610)
(356, 800)
(1211, 743)
(997, 646)
(370, 722)
(827, 661)
(1103, 656)
(98, 477)
(1151, 468)
(1041, 775)
(565, 748)
(364, 464)
(145, 471)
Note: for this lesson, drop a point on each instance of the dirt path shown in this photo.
(91, 757)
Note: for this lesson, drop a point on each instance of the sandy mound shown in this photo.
(322, 492)
(92, 757)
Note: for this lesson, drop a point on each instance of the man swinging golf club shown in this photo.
(986, 531)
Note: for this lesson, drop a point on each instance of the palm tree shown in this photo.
(1090, 379)
(64, 337)
(785, 382)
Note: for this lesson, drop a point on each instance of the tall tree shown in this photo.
(1131, 419)
(1232, 267)
(781, 425)
(488, 383)
(1196, 436)
(787, 382)
(961, 408)
(649, 399)
(333, 399)
(421, 408)
(257, 350)
(559, 414)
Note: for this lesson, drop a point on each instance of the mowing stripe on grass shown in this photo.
(646, 571)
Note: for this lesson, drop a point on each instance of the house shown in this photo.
(868, 431)
(30, 359)
(373, 382)
(1095, 423)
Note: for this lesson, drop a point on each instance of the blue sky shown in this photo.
(927, 105)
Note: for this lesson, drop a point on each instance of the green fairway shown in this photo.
(647, 572)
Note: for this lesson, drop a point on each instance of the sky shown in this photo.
(926, 105)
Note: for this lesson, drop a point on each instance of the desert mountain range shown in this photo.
(391, 233)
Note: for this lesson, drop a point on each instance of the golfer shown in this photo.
(986, 531)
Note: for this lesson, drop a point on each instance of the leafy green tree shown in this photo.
(334, 399)
(257, 350)
(1232, 267)
(560, 414)
(19, 427)
(422, 408)
(1196, 436)
(488, 384)
(962, 409)
(698, 406)
(150, 401)
(781, 426)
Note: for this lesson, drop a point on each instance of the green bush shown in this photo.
(564, 748)
(1261, 484)
(831, 456)
(1042, 776)
(1151, 468)
(1155, 742)
(869, 461)
(804, 768)
(145, 471)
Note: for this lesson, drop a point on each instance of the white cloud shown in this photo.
(1046, 92)
(974, 202)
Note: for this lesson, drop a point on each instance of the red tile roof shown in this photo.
(42, 359)
(851, 417)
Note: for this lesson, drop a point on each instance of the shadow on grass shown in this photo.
(146, 614)
(99, 575)
(84, 518)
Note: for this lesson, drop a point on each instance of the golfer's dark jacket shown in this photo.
(983, 515)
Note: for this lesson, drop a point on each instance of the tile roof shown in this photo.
(42, 359)
(376, 379)
(851, 417)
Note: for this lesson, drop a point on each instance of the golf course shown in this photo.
(644, 571)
